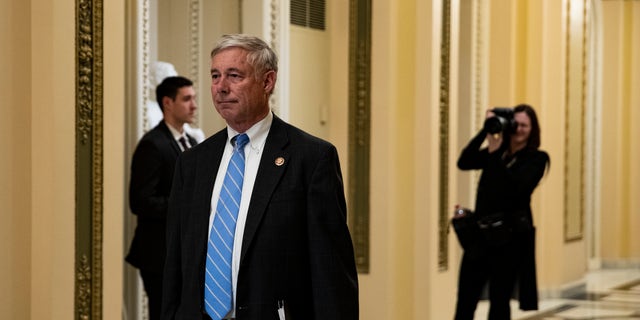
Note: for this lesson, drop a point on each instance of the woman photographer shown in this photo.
(511, 167)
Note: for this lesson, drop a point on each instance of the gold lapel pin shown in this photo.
(279, 161)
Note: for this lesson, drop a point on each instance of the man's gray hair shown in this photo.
(259, 55)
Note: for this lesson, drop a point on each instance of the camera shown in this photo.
(502, 122)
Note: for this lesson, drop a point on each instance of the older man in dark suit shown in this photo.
(290, 255)
(152, 170)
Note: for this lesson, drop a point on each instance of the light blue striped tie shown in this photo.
(217, 291)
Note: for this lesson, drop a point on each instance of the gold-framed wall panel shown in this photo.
(445, 60)
(89, 159)
(359, 132)
(575, 117)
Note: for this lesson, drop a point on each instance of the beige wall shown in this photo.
(52, 162)
(115, 180)
(309, 80)
(15, 162)
(37, 169)
(620, 132)
(404, 281)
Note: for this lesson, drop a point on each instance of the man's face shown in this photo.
(182, 109)
(241, 98)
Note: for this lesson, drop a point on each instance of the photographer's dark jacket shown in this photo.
(505, 186)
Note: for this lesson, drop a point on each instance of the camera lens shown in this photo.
(495, 124)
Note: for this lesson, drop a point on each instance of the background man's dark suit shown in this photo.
(296, 247)
(151, 175)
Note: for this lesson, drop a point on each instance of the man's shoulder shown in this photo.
(213, 142)
(160, 132)
(157, 138)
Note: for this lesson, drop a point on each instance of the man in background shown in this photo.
(151, 175)
(158, 71)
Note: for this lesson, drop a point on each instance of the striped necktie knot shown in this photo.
(183, 143)
(239, 142)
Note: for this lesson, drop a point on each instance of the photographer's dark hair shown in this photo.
(534, 136)
(169, 88)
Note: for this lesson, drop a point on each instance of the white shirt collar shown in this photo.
(257, 133)
(176, 134)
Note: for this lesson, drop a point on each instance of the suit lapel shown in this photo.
(169, 136)
(206, 167)
(192, 141)
(273, 164)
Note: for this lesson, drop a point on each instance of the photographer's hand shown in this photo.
(495, 140)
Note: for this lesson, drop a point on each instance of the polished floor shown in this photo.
(610, 295)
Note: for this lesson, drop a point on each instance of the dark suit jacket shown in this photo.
(152, 169)
(296, 247)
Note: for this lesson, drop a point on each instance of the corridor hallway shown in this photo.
(610, 294)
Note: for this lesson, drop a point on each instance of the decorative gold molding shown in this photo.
(83, 288)
(480, 67)
(89, 174)
(274, 27)
(195, 49)
(274, 24)
(194, 41)
(359, 128)
(145, 47)
(443, 218)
